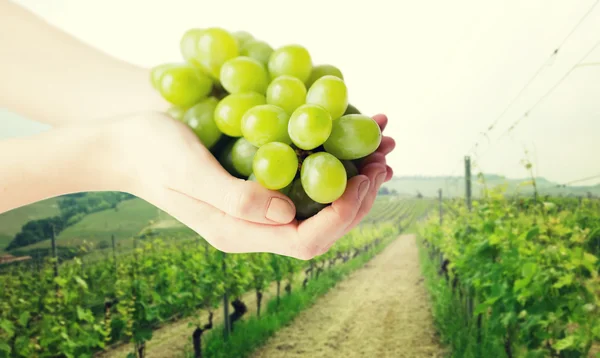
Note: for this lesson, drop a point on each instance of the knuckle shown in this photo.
(306, 253)
(239, 202)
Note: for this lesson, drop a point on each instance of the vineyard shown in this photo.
(73, 309)
(515, 277)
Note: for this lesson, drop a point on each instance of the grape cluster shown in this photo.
(269, 115)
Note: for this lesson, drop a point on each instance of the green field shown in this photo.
(12, 221)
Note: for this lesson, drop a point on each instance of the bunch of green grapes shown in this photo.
(269, 115)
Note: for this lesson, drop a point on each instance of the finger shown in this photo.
(329, 224)
(205, 179)
(382, 120)
(227, 233)
(387, 145)
(390, 173)
(373, 158)
(377, 174)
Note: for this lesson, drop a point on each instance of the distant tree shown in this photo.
(419, 195)
(384, 191)
(394, 192)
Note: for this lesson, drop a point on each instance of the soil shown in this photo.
(381, 310)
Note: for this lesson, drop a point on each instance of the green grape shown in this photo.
(286, 92)
(292, 60)
(310, 126)
(242, 155)
(323, 177)
(351, 169)
(157, 72)
(265, 124)
(242, 37)
(258, 50)
(189, 44)
(305, 206)
(226, 159)
(176, 112)
(330, 93)
(213, 48)
(323, 70)
(284, 191)
(244, 74)
(231, 109)
(351, 110)
(353, 136)
(184, 85)
(200, 118)
(275, 165)
(220, 145)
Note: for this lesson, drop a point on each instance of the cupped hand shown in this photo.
(169, 167)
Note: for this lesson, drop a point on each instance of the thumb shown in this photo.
(251, 201)
(206, 180)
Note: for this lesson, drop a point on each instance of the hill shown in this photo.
(128, 219)
(455, 186)
(12, 221)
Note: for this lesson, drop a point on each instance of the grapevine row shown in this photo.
(79, 310)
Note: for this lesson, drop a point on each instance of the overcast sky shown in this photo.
(442, 71)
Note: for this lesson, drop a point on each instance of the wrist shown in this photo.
(57, 162)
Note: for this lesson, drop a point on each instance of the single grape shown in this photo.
(284, 191)
(351, 110)
(188, 46)
(309, 126)
(242, 155)
(351, 169)
(265, 124)
(275, 165)
(157, 72)
(323, 177)
(244, 74)
(226, 159)
(292, 60)
(323, 70)
(242, 37)
(330, 93)
(286, 92)
(214, 47)
(258, 50)
(184, 85)
(231, 109)
(305, 206)
(200, 118)
(353, 136)
(177, 112)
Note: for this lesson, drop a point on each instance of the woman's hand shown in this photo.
(171, 169)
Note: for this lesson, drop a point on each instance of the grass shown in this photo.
(252, 333)
(4, 241)
(451, 319)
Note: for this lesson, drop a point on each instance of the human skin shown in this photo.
(109, 134)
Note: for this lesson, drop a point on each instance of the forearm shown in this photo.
(61, 161)
(50, 76)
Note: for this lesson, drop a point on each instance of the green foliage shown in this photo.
(530, 269)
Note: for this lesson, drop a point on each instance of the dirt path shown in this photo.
(379, 311)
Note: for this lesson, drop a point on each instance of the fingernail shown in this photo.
(362, 189)
(280, 211)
